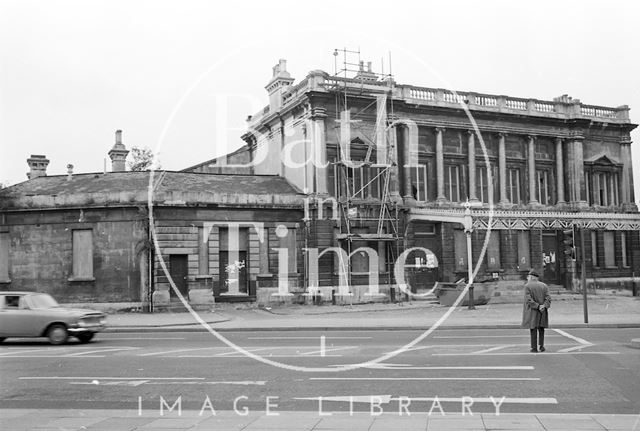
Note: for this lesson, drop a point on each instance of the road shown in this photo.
(583, 371)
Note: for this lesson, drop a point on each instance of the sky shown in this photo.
(180, 77)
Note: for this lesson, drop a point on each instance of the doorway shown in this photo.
(178, 270)
(550, 257)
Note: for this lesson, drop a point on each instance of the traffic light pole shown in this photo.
(583, 277)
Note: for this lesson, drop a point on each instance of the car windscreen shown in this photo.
(42, 301)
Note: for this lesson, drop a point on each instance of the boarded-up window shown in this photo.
(460, 250)
(624, 249)
(524, 254)
(493, 251)
(264, 252)
(4, 256)
(289, 242)
(83, 254)
(594, 248)
(609, 251)
(203, 251)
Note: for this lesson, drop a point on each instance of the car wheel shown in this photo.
(57, 334)
(85, 337)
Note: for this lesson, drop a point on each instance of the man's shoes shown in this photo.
(542, 349)
(534, 350)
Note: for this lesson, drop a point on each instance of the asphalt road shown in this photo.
(583, 371)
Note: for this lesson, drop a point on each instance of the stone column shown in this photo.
(406, 162)
(502, 166)
(559, 171)
(575, 171)
(440, 165)
(531, 160)
(319, 150)
(472, 166)
(628, 195)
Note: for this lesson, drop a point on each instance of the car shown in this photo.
(33, 314)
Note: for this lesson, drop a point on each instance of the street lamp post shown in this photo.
(468, 229)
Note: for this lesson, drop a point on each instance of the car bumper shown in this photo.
(86, 328)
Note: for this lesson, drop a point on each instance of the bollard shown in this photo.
(333, 297)
(471, 301)
(392, 294)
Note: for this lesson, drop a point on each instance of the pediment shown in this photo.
(603, 159)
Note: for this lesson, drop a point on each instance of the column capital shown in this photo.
(626, 141)
(532, 137)
(502, 134)
(439, 129)
(471, 132)
(559, 139)
(318, 113)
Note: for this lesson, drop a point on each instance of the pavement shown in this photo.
(567, 311)
(193, 420)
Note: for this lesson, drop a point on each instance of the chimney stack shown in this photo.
(280, 81)
(37, 165)
(118, 154)
(69, 172)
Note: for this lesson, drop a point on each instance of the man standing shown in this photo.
(535, 315)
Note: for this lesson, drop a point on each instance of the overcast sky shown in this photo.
(180, 77)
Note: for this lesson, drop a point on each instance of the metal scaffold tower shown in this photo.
(367, 212)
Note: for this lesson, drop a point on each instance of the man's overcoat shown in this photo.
(536, 293)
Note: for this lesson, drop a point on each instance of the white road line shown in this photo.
(115, 349)
(308, 338)
(571, 349)
(233, 351)
(142, 338)
(333, 349)
(492, 349)
(526, 353)
(515, 379)
(497, 367)
(166, 352)
(245, 356)
(573, 337)
(484, 336)
(240, 383)
(109, 378)
(51, 356)
(386, 399)
(20, 351)
(507, 400)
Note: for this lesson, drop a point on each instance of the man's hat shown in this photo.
(534, 273)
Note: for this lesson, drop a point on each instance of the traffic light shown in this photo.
(568, 243)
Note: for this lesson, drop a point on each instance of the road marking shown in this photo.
(110, 378)
(113, 383)
(322, 345)
(51, 356)
(525, 353)
(142, 338)
(166, 352)
(233, 351)
(492, 349)
(518, 379)
(573, 337)
(496, 367)
(240, 383)
(236, 355)
(507, 400)
(484, 336)
(386, 399)
(115, 349)
(308, 338)
(323, 351)
(20, 351)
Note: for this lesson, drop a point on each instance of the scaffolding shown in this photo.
(363, 187)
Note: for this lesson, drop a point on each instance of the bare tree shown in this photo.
(142, 159)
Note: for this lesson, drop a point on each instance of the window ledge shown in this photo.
(203, 277)
(73, 279)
